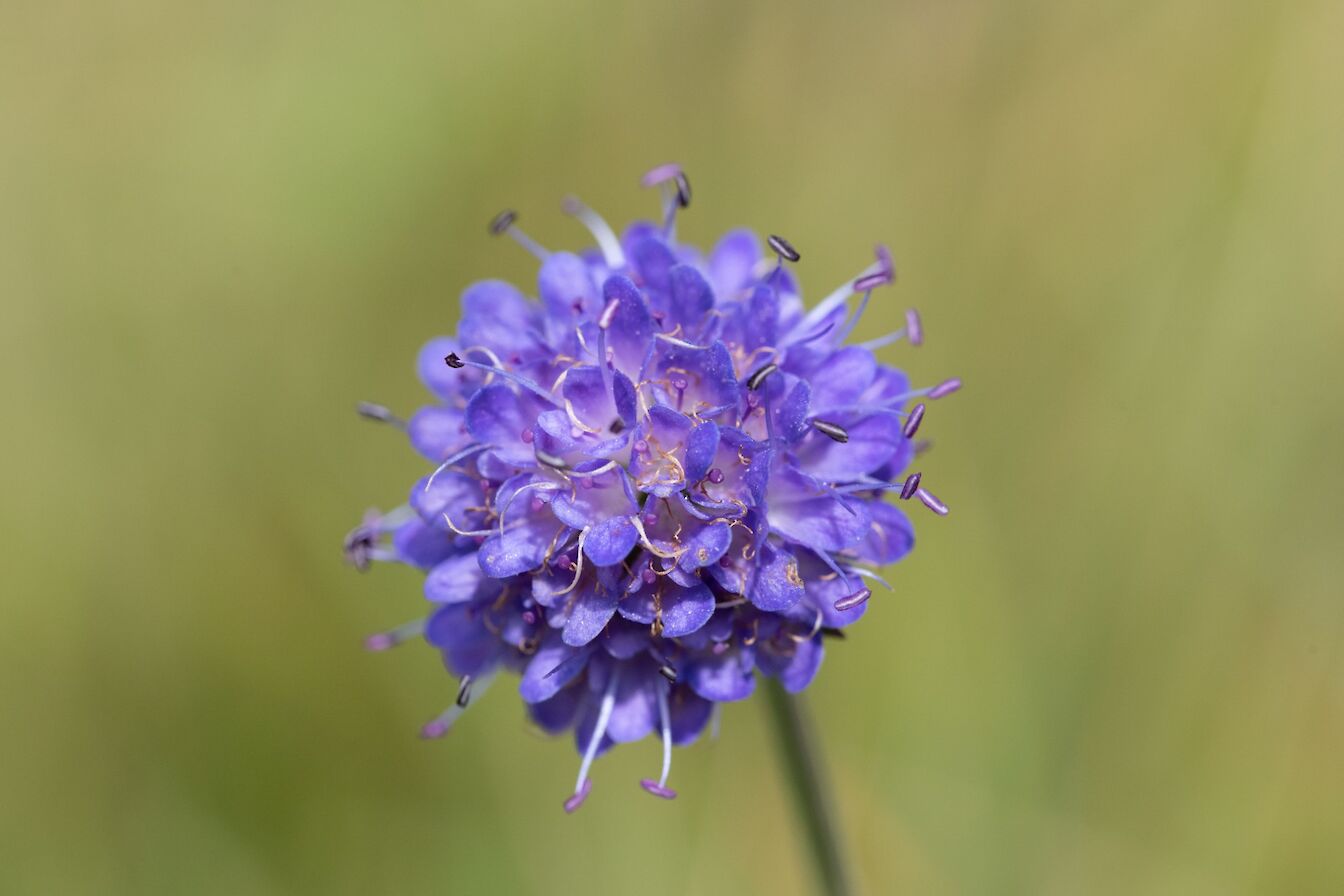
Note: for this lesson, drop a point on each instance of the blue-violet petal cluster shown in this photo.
(656, 482)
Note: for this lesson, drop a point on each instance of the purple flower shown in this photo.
(660, 480)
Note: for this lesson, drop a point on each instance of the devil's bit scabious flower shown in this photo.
(661, 480)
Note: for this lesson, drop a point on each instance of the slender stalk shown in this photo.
(807, 779)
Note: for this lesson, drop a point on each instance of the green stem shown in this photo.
(807, 780)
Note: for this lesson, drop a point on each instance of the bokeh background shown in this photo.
(1117, 667)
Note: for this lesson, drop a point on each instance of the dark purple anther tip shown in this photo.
(501, 222)
(911, 483)
(575, 801)
(851, 601)
(453, 361)
(564, 562)
(648, 575)
(683, 189)
(946, 387)
(756, 379)
(720, 648)
(530, 617)
(716, 475)
(914, 329)
(380, 641)
(527, 436)
(912, 422)
(650, 519)
(434, 730)
(831, 430)
(641, 446)
(931, 501)
(657, 789)
(655, 176)
(871, 281)
(782, 247)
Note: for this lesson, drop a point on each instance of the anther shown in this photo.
(657, 789)
(851, 601)
(527, 435)
(914, 329)
(575, 801)
(501, 223)
(931, 501)
(911, 484)
(756, 379)
(872, 281)
(464, 692)
(831, 430)
(912, 422)
(715, 475)
(783, 248)
(837, 633)
(655, 176)
(565, 562)
(550, 460)
(668, 672)
(683, 189)
(648, 576)
(945, 388)
(377, 413)
(453, 361)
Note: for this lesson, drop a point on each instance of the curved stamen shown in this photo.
(438, 726)
(600, 229)
(471, 533)
(506, 222)
(541, 484)
(582, 786)
(648, 545)
(659, 787)
(457, 362)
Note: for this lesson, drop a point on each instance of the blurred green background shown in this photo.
(1117, 666)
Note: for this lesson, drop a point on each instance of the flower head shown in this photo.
(660, 481)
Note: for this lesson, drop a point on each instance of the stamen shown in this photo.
(456, 362)
(439, 725)
(945, 388)
(660, 174)
(832, 430)
(464, 692)
(582, 786)
(911, 485)
(668, 672)
(504, 222)
(659, 788)
(715, 475)
(392, 637)
(683, 189)
(912, 422)
(379, 414)
(931, 501)
(783, 248)
(914, 327)
(853, 600)
(600, 229)
(756, 379)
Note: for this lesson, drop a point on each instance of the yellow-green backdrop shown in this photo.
(1115, 668)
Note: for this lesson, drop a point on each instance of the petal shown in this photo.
(721, 677)
(437, 432)
(688, 715)
(630, 336)
(635, 713)
(554, 665)
(608, 543)
(802, 511)
(422, 545)
(891, 537)
(843, 378)
(450, 492)
(592, 609)
(690, 296)
(455, 580)
(520, 548)
(567, 291)
(495, 417)
(873, 441)
(777, 584)
(624, 639)
(702, 443)
(437, 376)
(496, 315)
(733, 261)
(796, 669)
(557, 714)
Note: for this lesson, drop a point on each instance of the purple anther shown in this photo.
(434, 730)
(641, 446)
(501, 222)
(536, 504)
(725, 562)
(683, 189)
(851, 601)
(655, 176)
(870, 281)
(648, 575)
(679, 383)
(831, 430)
(586, 482)
(946, 387)
(380, 641)
(650, 519)
(657, 789)
(527, 435)
(530, 617)
(931, 501)
(720, 648)
(715, 475)
(912, 422)
(564, 561)
(911, 483)
(883, 256)
(575, 801)
(782, 247)
(914, 329)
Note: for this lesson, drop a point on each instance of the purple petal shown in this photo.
(777, 585)
(520, 548)
(733, 261)
(496, 315)
(557, 714)
(701, 445)
(554, 665)
(451, 492)
(567, 291)
(722, 677)
(630, 335)
(842, 379)
(635, 713)
(689, 715)
(495, 417)
(593, 607)
(891, 537)
(795, 669)
(455, 580)
(873, 441)
(690, 296)
(608, 543)
(802, 511)
(422, 545)
(437, 432)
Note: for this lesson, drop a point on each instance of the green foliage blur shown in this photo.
(1117, 667)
